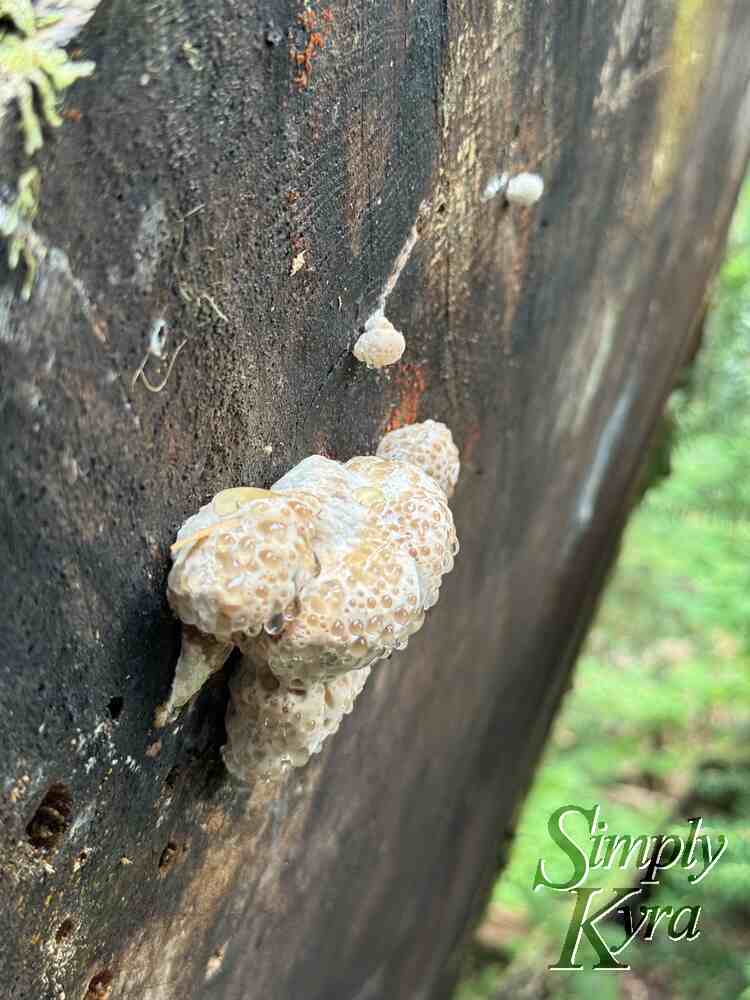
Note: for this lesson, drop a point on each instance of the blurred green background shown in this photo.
(655, 727)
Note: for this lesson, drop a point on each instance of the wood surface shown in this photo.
(191, 175)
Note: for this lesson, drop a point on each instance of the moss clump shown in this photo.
(16, 215)
(31, 65)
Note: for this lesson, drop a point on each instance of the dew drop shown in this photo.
(275, 625)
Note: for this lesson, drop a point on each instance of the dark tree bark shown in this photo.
(548, 339)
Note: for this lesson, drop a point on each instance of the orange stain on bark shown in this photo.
(412, 382)
(315, 41)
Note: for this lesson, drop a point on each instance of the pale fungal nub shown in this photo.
(381, 344)
(494, 186)
(429, 445)
(524, 189)
(315, 580)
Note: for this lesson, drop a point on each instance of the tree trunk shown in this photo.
(255, 203)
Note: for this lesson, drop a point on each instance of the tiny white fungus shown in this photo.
(524, 189)
(381, 344)
(494, 186)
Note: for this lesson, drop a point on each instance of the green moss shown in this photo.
(20, 12)
(29, 67)
(34, 66)
(16, 216)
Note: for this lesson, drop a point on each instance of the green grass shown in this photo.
(656, 726)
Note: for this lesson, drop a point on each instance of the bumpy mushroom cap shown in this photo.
(429, 446)
(315, 580)
(272, 727)
(381, 344)
(384, 537)
(240, 562)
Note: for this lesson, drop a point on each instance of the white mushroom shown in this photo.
(429, 446)
(524, 189)
(381, 344)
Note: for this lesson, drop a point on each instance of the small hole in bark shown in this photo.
(64, 930)
(171, 853)
(100, 986)
(167, 855)
(50, 821)
(114, 706)
(171, 779)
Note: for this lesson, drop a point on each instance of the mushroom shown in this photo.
(314, 580)
(272, 726)
(524, 189)
(428, 445)
(240, 561)
(381, 344)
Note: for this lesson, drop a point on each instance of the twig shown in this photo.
(141, 373)
(219, 313)
(194, 211)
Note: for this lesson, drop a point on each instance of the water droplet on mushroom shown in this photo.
(275, 625)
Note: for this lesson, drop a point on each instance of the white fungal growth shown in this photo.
(315, 580)
(495, 186)
(524, 189)
(240, 561)
(403, 258)
(521, 189)
(381, 344)
(200, 656)
(157, 338)
(287, 725)
(428, 445)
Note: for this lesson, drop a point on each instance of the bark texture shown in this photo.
(190, 176)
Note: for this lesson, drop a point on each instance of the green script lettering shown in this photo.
(581, 923)
(639, 846)
(691, 931)
(568, 846)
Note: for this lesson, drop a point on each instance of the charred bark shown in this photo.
(196, 170)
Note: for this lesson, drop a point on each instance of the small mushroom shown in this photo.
(524, 189)
(429, 446)
(381, 344)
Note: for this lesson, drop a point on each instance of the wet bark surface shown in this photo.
(193, 178)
